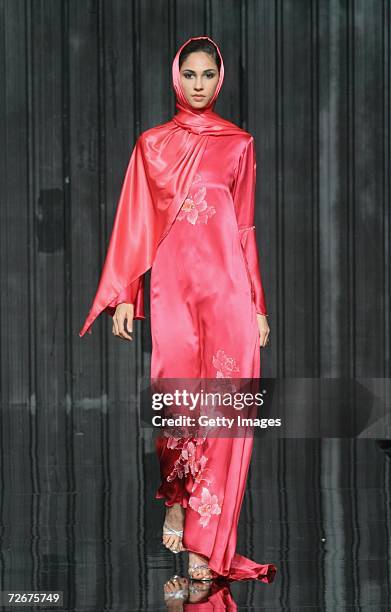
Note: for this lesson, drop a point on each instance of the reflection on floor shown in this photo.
(78, 514)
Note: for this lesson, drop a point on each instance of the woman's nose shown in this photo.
(198, 85)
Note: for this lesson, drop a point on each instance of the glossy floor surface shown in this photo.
(78, 514)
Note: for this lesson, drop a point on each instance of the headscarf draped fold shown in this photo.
(160, 171)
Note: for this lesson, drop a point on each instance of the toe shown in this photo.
(198, 574)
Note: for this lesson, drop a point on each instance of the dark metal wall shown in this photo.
(81, 78)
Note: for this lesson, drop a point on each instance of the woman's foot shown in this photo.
(198, 568)
(173, 528)
(176, 592)
(199, 591)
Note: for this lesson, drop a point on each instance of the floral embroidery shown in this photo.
(206, 506)
(202, 476)
(187, 463)
(195, 208)
(224, 364)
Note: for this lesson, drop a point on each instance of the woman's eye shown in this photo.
(188, 75)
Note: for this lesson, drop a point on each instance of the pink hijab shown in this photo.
(161, 169)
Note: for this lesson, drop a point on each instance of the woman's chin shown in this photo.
(199, 104)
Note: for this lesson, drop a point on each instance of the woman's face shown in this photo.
(199, 77)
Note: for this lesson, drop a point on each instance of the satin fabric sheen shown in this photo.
(204, 326)
(160, 171)
(171, 163)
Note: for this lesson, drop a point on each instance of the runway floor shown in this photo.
(78, 515)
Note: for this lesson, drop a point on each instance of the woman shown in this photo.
(187, 210)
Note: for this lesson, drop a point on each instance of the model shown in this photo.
(186, 210)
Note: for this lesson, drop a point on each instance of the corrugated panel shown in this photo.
(82, 79)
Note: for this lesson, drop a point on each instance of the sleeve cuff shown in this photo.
(132, 294)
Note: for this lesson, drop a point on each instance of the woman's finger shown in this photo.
(264, 337)
(121, 327)
(115, 327)
(124, 312)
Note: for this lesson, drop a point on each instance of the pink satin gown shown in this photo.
(206, 290)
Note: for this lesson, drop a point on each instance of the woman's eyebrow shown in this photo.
(193, 71)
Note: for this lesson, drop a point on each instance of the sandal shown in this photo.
(181, 591)
(196, 566)
(177, 532)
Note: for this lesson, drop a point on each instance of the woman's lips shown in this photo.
(198, 97)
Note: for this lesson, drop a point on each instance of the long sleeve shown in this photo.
(244, 202)
(132, 294)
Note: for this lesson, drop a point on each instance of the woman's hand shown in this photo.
(264, 329)
(123, 312)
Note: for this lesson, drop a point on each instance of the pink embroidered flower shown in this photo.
(176, 472)
(176, 436)
(172, 441)
(224, 364)
(195, 208)
(188, 457)
(206, 506)
(187, 461)
(202, 476)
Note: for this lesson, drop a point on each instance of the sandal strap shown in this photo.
(199, 566)
(171, 530)
(181, 594)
